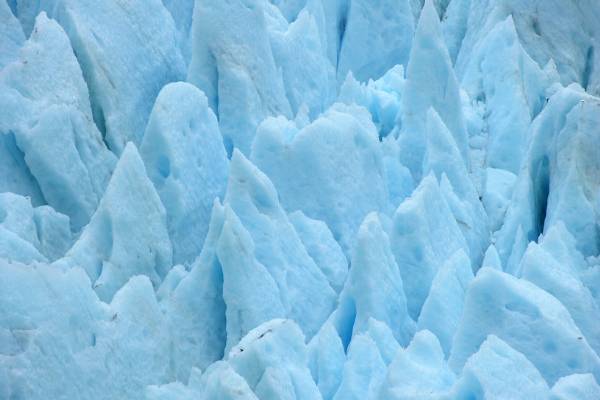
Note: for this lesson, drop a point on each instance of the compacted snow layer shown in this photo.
(299, 199)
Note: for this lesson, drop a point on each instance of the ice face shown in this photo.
(442, 310)
(495, 73)
(336, 159)
(12, 35)
(322, 247)
(184, 157)
(576, 386)
(37, 233)
(424, 235)
(299, 199)
(377, 36)
(47, 110)
(326, 360)
(419, 370)
(117, 243)
(522, 315)
(541, 33)
(557, 257)
(123, 76)
(430, 83)
(374, 283)
(490, 372)
(235, 67)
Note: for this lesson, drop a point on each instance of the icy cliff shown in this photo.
(299, 199)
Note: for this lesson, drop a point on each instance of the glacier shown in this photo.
(300, 199)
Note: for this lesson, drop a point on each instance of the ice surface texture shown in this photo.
(299, 199)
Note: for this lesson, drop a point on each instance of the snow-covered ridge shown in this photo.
(299, 199)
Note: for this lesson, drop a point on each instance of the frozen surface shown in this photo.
(184, 157)
(335, 160)
(374, 285)
(383, 27)
(118, 243)
(11, 33)
(234, 65)
(577, 386)
(528, 319)
(430, 83)
(46, 108)
(123, 76)
(443, 308)
(424, 235)
(299, 199)
(419, 370)
(491, 373)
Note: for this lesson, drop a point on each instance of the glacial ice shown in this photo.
(32, 233)
(424, 235)
(299, 199)
(336, 159)
(364, 370)
(326, 359)
(418, 371)
(184, 157)
(235, 67)
(383, 27)
(442, 310)
(118, 243)
(527, 318)
(46, 106)
(576, 386)
(322, 248)
(374, 285)
(430, 83)
(559, 31)
(491, 373)
(12, 35)
(121, 94)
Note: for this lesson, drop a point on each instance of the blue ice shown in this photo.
(299, 199)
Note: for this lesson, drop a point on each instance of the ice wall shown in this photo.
(299, 199)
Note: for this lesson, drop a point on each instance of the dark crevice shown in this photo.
(443, 7)
(16, 157)
(535, 25)
(216, 85)
(216, 274)
(13, 7)
(462, 32)
(589, 66)
(542, 190)
(100, 121)
(228, 143)
(341, 30)
(163, 166)
(347, 318)
(86, 65)
(97, 111)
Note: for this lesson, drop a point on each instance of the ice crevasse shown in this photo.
(299, 199)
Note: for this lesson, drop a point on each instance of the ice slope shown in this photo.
(184, 157)
(119, 243)
(382, 27)
(123, 76)
(492, 372)
(46, 106)
(12, 35)
(562, 31)
(299, 199)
